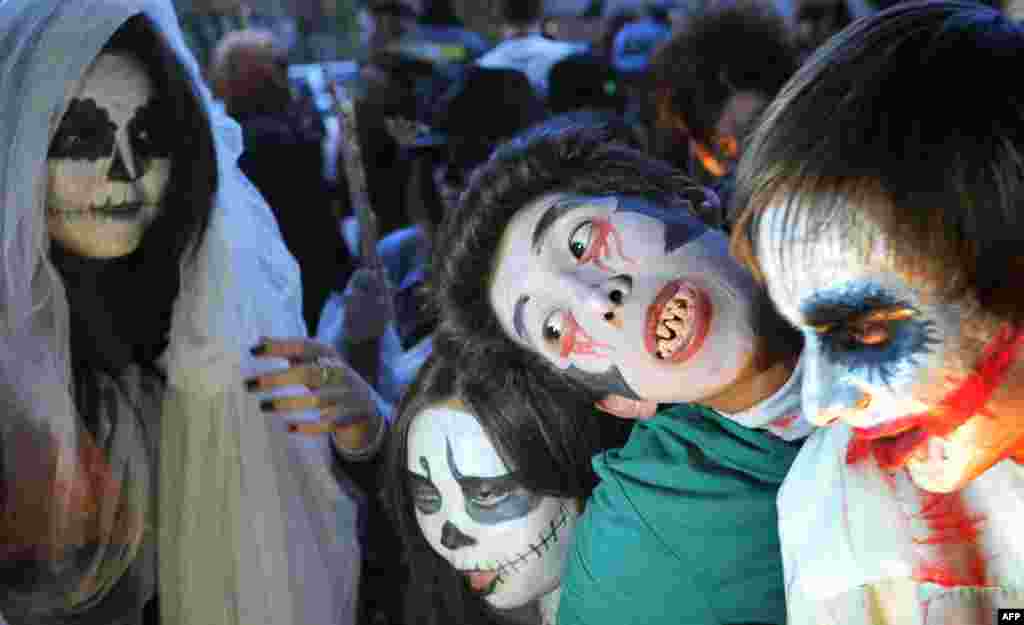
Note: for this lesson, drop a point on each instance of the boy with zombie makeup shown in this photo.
(138, 266)
(587, 258)
(889, 233)
(486, 492)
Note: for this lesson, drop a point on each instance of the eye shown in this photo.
(426, 497)
(874, 333)
(579, 240)
(553, 327)
(490, 497)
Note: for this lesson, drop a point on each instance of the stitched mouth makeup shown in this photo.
(485, 581)
(677, 322)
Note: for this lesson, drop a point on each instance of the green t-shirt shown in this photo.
(683, 527)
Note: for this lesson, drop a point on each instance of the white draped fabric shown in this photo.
(865, 547)
(252, 526)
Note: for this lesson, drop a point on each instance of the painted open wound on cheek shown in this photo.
(952, 411)
(575, 340)
(602, 229)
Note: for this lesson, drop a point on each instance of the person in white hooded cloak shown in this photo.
(137, 267)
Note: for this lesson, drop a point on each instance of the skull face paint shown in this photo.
(884, 353)
(633, 298)
(109, 161)
(509, 543)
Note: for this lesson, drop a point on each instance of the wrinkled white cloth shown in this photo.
(252, 528)
(850, 533)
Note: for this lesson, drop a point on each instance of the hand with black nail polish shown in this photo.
(342, 397)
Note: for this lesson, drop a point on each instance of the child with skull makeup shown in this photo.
(486, 489)
(127, 295)
(601, 271)
(889, 233)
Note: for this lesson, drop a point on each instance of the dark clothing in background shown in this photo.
(471, 43)
(284, 160)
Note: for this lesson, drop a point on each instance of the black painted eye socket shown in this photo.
(148, 132)
(85, 132)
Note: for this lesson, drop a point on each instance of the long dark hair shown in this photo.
(549, 438)
(872, 126)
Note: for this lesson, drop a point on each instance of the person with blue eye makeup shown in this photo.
(889, 233)
(485, 493)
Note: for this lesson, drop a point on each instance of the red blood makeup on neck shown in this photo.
(893, 443)
(952, 535)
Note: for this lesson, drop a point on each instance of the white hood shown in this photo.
(249, 528)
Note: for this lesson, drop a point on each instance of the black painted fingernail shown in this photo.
(266, 405)
(259, 350)
(252, 384)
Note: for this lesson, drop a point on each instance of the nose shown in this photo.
(606, 299)
(452, 538)
(827, 394)
(125, 167)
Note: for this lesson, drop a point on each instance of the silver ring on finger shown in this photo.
(330, 370)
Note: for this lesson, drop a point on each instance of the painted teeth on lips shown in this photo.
(677, 322)
(675, 326)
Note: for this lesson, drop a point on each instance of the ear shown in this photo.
(626, 408)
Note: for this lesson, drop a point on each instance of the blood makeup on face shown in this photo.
(574, 340)
(589, 243)
(964, 403)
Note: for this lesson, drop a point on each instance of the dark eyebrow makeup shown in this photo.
(556, 211)
(517, 318)
(86, 132)
(849, 303)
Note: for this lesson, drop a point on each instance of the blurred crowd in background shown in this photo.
(436, 91)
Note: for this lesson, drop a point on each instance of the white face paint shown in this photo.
(109, 162)
(617, 286)
(510, 543)
(880, 349)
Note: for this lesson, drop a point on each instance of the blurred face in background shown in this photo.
(817, 20)
(379, 29)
